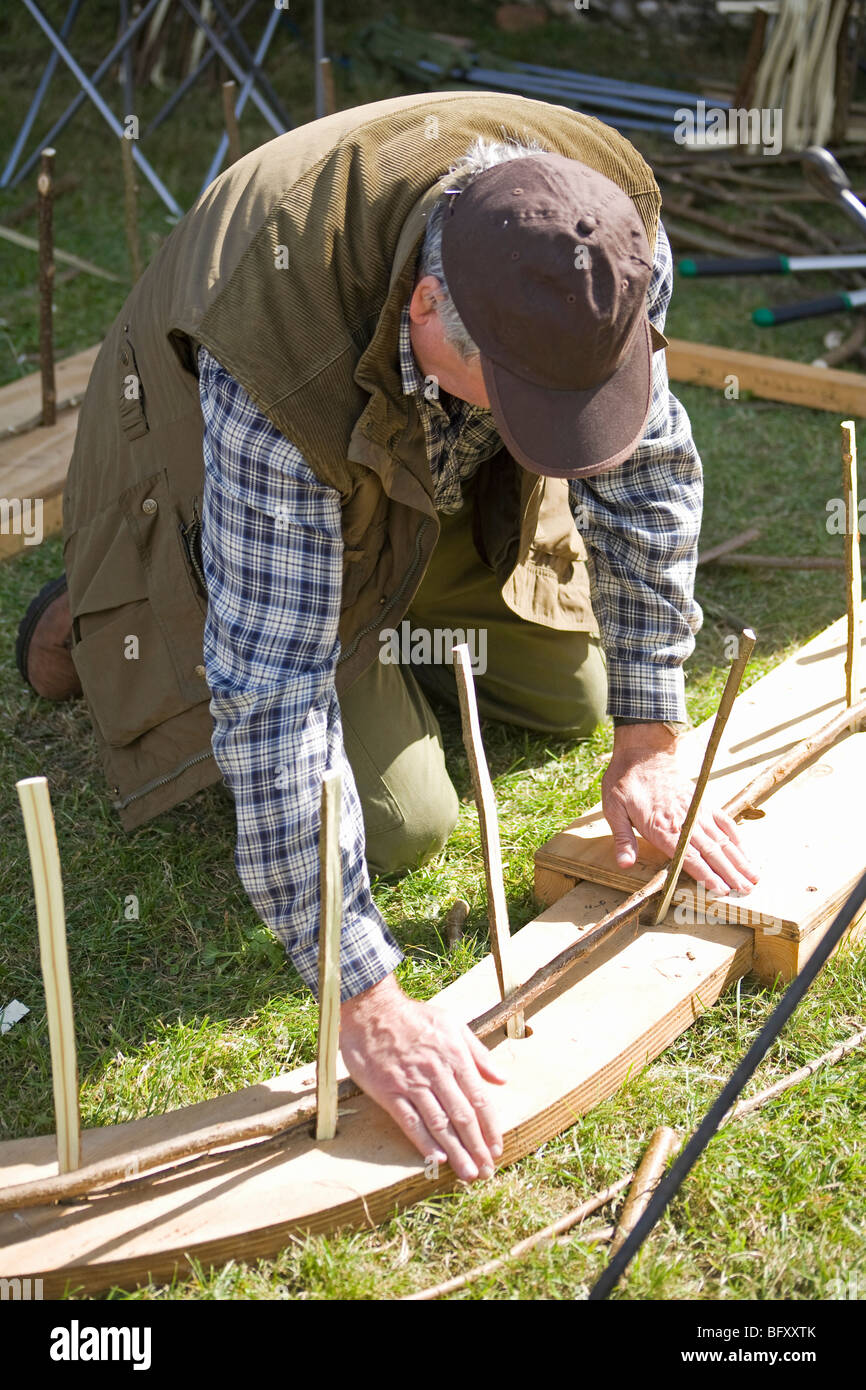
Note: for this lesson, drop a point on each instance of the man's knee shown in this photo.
(420, 830)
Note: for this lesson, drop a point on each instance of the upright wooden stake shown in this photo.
(51, 919)
(852, 560)
(45, 190)
(726, 704)
(330, 920)
(231, 122)
(500, 935)
(328, 86)
(130, 208)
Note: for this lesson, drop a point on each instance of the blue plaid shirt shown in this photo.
(272, 551)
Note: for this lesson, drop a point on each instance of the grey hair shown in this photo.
(482, 154)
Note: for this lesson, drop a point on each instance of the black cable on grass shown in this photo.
(670, 1183)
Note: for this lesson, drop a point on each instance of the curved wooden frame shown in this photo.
(246, 1202)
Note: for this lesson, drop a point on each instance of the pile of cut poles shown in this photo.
(816, 251)
(437, 60)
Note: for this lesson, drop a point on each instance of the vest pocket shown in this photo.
(139, 623)
(133, 420)
(127, 673)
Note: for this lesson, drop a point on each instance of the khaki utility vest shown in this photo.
(292, 269)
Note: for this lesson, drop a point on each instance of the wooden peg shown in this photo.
(330, 98)
(745, 648)
(330, 921)
(852, 561)
(500, 935)
(51, 920)
(662, 1145)
(130, 208)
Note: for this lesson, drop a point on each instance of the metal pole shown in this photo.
(189, 81)
(78, 100)
(222, 147)
(104, 111)
(233, 66)
(252, 62)
(37, 99)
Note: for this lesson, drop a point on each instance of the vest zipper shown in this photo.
(161, 781)
(395, 598)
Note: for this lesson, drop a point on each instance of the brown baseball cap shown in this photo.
(548, 265)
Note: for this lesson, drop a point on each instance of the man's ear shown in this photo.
(424, 298)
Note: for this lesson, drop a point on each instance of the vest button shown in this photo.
(124, 357)
(200, 671)
(149, 506)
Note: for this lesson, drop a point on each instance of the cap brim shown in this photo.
(571, 434)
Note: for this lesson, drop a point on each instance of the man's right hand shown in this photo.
(428, 1072)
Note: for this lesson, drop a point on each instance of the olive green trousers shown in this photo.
(533, 676)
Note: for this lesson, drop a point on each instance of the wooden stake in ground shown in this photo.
(45, 190)
(500, 935)
(330, 920)
(662, 1145)
(130, 208)
(852, 560)
(327, 72)
(51, 919)
(231, 122)
(746, 646)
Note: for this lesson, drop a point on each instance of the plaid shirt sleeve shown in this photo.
(272, 552)
(640, 523)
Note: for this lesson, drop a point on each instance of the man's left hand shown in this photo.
(646, 790)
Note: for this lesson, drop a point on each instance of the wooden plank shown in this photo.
(773, 378)
(802, 845)
(33, 470)
(247, 1202)
(21, 401)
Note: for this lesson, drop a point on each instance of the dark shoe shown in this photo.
(42, 650)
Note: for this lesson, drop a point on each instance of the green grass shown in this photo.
(193, 997)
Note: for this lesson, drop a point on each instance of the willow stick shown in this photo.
(523, 1247)
(745, 647)
(663, 1144)
(743, 803)
(51, 919)
(834, 1054)
(45, 190)
(766, 781)
(497, 907)
(331, 914)
(780, 562)
(852, 560)
(713, 552)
